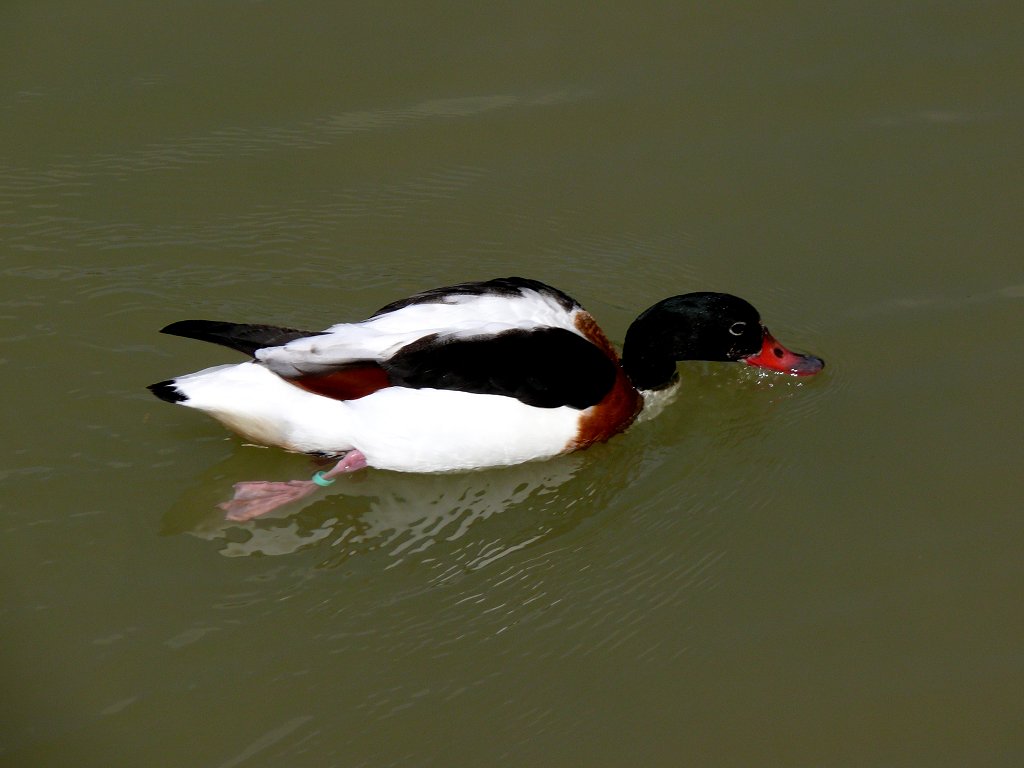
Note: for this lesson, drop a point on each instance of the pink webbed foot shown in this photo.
(256, 498)
(253, 499)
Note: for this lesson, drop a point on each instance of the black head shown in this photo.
(703, 326)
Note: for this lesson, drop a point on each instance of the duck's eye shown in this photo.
(737, 329)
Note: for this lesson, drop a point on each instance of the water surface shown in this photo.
(780, 572)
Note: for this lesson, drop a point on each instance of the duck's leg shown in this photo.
(256, 498)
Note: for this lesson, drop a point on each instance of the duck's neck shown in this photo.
(647, 368)
(649, 353)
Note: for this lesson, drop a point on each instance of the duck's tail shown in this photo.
(167, 391)
(250, 399)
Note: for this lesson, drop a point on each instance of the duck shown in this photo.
(468, 376)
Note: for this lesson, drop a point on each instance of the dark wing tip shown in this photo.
(242, 337)
(181, 328)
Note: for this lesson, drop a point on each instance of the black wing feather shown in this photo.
(546, 367)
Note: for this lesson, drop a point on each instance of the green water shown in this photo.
(822, 572)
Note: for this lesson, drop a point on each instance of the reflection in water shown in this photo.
(397, 514)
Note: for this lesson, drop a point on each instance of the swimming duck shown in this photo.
(473, 375)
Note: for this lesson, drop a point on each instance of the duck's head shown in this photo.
(704, 326)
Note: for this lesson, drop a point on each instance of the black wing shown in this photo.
(545, 367)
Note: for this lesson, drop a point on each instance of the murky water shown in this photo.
(773, 572)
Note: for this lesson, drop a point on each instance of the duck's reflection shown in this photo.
(399, 514)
